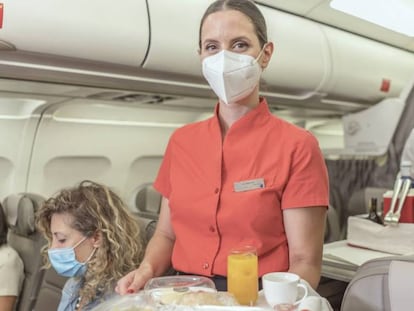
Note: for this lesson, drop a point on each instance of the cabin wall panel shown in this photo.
(110, 148)
(66, 170)
(18, 122)
(6, 170)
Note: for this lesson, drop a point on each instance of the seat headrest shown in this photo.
(20, 212)
(148, 200)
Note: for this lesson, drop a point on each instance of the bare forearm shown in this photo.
(305, 230)
(309, 272)
(158, 254)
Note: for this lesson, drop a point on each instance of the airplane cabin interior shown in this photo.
(93, 90)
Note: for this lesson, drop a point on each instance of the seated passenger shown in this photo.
(11, 269)
(93, 239)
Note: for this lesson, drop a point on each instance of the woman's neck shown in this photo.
(229, 114)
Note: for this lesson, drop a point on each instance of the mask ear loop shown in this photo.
(256, 60)
(79, 243)
(90, 256)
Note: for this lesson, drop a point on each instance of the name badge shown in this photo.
(247, 185)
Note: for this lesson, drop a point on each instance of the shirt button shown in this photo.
(212, 229)
(216, 190)
(206, 265)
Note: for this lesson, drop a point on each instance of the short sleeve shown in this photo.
(308, 183)
(163, 181)
(12, 270)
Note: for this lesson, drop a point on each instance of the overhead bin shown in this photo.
(365, 70)
(155, 48)
(99, 30)
(174, 36)
(291, 71)
(311, 62)
(300, 65)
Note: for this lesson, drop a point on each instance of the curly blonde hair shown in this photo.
(97, 209)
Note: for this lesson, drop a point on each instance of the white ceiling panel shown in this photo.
(320, 11)
(301, 7)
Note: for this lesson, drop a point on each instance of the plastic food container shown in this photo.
(158, 294)
(166, 290)
(134, 302)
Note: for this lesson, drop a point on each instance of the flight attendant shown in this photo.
(244, 176)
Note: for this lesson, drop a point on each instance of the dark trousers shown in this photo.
(219, 281)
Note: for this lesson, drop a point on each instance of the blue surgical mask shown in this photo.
(65, 263)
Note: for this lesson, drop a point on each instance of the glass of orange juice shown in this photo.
(242, 274)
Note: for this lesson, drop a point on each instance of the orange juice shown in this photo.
(242, 275)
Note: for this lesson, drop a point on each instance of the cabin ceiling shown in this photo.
(70, 77)
(320, 11)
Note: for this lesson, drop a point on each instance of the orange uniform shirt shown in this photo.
(202, 176)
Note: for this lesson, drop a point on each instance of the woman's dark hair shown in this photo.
(3, 226)
(246, 7)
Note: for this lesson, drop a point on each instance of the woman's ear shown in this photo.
(97, 239)
(267, 54)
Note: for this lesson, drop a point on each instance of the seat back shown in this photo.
(23, 237)
(50, 291)
(148, 202)
(371, 290)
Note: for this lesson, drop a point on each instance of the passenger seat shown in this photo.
(24, 238)
(148, 202)
(50, 291)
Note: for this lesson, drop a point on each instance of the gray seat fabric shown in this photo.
(369, 289)
(23, 237)
(50, 291)
(148, 202)
(147, 227)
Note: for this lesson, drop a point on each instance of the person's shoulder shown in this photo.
(292, 131)
(9, 257)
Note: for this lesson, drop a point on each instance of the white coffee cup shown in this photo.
(283, 288)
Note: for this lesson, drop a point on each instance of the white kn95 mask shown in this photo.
(232, 76)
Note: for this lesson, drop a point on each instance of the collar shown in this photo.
(255, 117)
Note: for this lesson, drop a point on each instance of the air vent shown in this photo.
(143, 98)
(131, 97)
